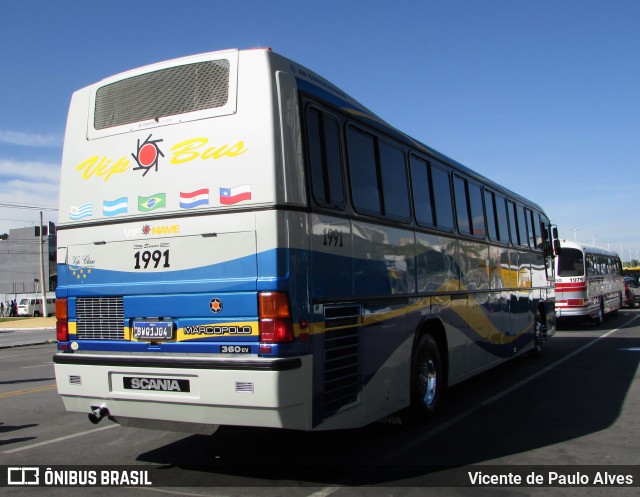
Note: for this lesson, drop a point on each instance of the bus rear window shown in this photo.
(571, 263)
(167, 92)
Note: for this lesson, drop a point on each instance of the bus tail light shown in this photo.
(62, 320)
(578, 302)
(275, 317)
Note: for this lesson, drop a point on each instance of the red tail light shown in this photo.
(62, 320)
(275, 317)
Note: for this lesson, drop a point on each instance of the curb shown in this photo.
(15, 345)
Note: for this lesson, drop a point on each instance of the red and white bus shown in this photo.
(589, 281)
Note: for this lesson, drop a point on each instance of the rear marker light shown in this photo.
(275, 317)
(62, 320)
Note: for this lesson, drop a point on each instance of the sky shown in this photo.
(541, 96)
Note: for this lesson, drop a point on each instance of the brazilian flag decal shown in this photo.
(157, 201)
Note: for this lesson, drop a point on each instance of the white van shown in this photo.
(33, 307)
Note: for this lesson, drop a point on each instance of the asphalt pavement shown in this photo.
(19, 332)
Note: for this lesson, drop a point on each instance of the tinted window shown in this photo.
(512, 223)
(533, 228)
(462, 209)
(325, 162)
(492, 226)
(421, 191)
(362, 171)
(394, 182)
(522, 226)
(442, 198)
(503, 223)
(570, 262)
(477, 213)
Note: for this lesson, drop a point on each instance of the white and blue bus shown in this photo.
(242, 243)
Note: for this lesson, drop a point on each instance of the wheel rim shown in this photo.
(428, 381)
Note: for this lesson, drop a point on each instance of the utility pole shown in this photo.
(43, 284)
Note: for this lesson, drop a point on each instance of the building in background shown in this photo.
(20, 261)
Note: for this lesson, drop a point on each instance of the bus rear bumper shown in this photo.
(576, 311)
(186, 394)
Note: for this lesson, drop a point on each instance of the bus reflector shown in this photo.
(62, 320)
(275, 317)
(575, 301)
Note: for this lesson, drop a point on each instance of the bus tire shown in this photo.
(539, 335)
(599, 319)
(427, 380)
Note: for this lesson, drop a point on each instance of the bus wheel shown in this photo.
(426, 379)
(599, 319)
(539, 335)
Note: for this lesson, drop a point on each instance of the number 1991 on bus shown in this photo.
(143, 259)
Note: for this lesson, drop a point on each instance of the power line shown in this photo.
(10, 205)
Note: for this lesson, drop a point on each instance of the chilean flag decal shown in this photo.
(230, 196)
(194, 199)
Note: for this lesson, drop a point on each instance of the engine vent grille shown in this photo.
(100, 318)
(168, 92)
(342, 350)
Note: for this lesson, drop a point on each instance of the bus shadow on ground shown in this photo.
(582, 395)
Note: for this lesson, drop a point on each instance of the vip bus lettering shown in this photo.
(102, 167)
(189, 150)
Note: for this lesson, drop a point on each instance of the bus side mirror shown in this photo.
(556, 241)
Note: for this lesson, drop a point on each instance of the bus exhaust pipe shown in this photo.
(97, 414)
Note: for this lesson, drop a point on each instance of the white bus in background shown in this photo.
(589, 281)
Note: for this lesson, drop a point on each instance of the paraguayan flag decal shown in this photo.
(115, 207)
(81, 211)
(194, 199)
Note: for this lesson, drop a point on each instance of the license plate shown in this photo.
(152, 330)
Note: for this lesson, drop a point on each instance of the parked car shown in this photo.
(631, 291)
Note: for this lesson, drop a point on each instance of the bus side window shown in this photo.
(393, 173)
(492, 224)
(325, 159)
(421, 187)
(513, 227)
(462, 206)
(469, 212)
(362, 172)
(477, 212)
(533, 240)
(442, 198)
(503, 222)
(522, 226)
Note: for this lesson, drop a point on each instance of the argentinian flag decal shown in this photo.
(115, 207)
